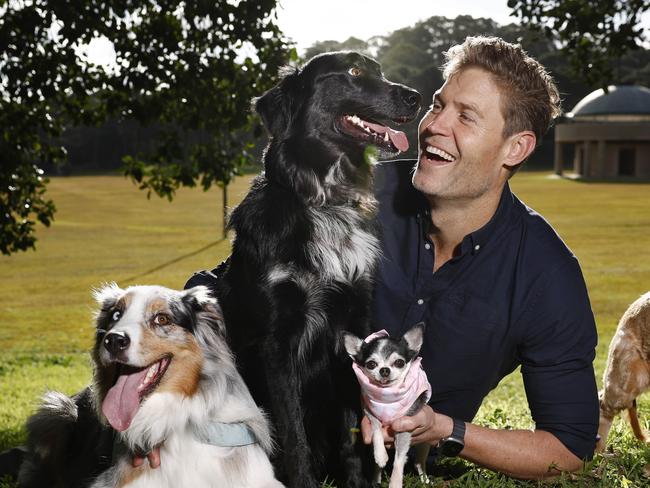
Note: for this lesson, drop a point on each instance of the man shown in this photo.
(494, 283)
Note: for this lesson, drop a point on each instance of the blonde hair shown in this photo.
(530, 99)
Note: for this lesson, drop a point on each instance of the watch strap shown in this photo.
(458, 431)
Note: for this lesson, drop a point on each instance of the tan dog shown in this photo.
(627, 374)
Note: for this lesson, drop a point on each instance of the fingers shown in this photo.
(153, 457)
(420, 425)
(366, 430)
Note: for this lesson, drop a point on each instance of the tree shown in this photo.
(594, 35)
(190, 67)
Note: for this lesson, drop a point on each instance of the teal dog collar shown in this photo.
(227, 435)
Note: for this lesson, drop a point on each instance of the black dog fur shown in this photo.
(303, 259)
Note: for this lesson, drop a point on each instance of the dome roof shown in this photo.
(620, 100)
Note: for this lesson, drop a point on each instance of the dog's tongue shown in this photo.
(122, 400)
(398, 138)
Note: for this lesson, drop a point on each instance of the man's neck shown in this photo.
(452, 220)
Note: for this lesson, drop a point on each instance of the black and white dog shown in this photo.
(302, 261)
(393, 384)
(164, 379)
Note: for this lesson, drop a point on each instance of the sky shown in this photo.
(308, 21)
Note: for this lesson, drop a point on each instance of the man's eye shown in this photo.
(371, 365)
(354, 71)
(465, 117)
(117, 314)
(162, 319)
(399, 363)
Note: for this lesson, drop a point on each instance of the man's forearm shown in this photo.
(518, 453)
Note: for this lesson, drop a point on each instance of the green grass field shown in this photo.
(106, 230)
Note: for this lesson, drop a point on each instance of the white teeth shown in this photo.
(440, 152)
(151, 372)
(357, 121)
(386, 138)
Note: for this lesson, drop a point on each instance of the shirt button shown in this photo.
(477, 247)
(420, 301)
(427, 246)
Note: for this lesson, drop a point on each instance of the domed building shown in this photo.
(609, 133)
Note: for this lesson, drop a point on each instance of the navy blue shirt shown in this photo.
(514, 295)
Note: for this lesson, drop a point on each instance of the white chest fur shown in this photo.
(340, 248)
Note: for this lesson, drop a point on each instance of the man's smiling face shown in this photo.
(461, 143)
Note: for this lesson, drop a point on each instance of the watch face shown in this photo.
(451, 447)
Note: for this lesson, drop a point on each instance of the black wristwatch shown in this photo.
(452, 446)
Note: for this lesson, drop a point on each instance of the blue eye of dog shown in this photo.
(116, 315)
(371, 365)
(399, 363)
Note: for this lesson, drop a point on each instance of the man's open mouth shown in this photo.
(374, 133)
(437, 155)
(132, 385)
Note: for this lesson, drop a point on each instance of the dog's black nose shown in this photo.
(411, 98)
(384, 372)
(114, 342)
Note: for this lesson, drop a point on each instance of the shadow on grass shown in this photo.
(131, 279)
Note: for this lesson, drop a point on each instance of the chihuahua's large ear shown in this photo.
(352, 344)
(276, 106)
(414, 337)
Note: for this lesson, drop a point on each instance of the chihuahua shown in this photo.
(393, 384)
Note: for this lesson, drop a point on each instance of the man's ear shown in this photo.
(277, 106)
(519, 147)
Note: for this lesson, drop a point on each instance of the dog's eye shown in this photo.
(116, 315)
(354, 71)
(371, 365)
(399, 363)
(162, 319)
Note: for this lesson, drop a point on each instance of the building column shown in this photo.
(586, 159)
(558, 161)
(601, 160)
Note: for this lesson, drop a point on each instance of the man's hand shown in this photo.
(426, 426)
(153, 457)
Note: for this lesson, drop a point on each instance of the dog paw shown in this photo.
(381, 457)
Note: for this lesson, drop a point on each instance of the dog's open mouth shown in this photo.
(123, 400)
(374, 133)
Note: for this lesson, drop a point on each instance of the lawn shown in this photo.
(106, 230)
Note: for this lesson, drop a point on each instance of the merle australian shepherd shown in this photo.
(303, 257)
(164, 376)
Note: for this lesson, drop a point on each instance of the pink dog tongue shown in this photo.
(122, 400)
(397, 137)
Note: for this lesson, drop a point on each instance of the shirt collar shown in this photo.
(475, 241)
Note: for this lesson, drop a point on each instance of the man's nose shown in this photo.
(436, 123)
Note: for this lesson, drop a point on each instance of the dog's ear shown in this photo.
(199, 304)
(414, 337)
(352, 344)
(197, 297)
(277, 106)
(107, 294)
